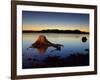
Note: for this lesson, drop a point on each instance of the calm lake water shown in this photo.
(72, 45)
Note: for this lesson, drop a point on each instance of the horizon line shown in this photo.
(57, 29)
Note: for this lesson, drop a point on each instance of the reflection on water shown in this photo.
(37, 50)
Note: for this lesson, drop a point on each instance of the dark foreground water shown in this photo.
(73, 53)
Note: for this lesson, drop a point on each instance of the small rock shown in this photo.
(84, 39)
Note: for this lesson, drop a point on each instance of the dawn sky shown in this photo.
(35, 20)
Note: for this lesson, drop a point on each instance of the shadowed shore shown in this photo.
(75, 59)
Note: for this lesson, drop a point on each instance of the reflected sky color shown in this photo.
(34, 20)
(72, 45)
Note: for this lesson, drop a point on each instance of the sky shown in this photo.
(36, 20)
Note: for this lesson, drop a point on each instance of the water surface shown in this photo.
(32, 57)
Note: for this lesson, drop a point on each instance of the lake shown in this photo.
(73, 49)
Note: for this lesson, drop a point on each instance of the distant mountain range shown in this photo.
(56, 31)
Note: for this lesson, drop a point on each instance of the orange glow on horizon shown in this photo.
(34, 28)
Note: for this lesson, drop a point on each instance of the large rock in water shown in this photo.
(42, 44)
